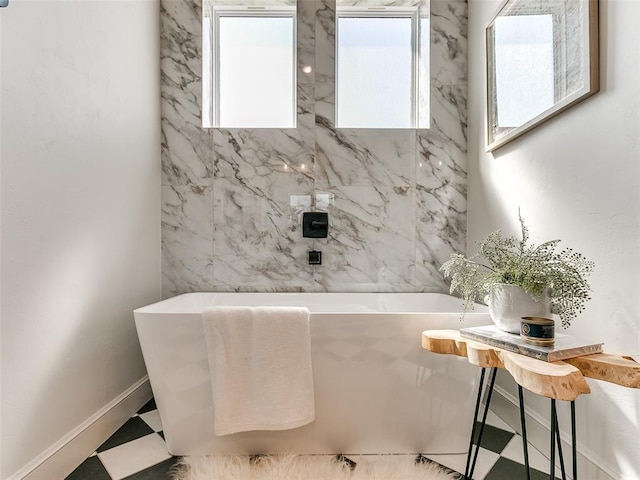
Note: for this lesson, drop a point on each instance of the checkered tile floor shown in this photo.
(137, 452)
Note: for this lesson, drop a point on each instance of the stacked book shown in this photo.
(565, 346)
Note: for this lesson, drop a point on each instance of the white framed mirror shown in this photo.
(542, 58)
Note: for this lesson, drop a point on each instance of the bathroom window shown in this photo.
(249, 74)
(381, 67)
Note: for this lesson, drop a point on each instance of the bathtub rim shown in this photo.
(445, 304)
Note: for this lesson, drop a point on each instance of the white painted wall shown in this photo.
(577, 177)
(80, 200)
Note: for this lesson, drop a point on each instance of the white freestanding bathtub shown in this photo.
(376, 389)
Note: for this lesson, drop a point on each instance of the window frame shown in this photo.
(411, 12)
(214, 13)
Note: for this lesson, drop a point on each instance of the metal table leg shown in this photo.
(468, 473)
(574, 450)
(523, 423)
(555, 438)
(552, 457)
(473, 427)
(555, 432)
(560, 455)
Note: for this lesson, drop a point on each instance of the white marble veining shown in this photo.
(234, 198)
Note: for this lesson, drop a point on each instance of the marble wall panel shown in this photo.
(365, 157)
(458, 108)
(187, 239)
(186, 146)
(371, 244)
(446, 140)
(449, 42)
(441, 186)
(234, 198)
(440, 219)
(325, 62)
(440, 230)
(257, 239)
(306, 18)
(260, 176)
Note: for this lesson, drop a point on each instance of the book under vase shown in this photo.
(564, 346)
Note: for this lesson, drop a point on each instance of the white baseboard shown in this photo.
(66, 454)
(590, 466)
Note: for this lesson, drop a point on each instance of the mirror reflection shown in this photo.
(541, 59)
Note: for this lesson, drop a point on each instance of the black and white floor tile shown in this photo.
(137, 451)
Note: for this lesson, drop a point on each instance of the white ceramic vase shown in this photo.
(509, 303)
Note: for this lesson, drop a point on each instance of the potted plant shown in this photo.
(520, 279)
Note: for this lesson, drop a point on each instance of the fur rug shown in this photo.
(308, 467)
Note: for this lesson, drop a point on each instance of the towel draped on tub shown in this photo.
(260, 365)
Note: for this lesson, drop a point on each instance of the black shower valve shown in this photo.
(315, 224)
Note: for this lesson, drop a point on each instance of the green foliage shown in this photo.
(534, 268)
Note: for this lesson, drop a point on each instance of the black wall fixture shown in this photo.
(315, 224)
(315, 257)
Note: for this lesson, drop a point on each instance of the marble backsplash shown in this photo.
(232, 199)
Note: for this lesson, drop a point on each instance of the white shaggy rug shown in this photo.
(307, 467)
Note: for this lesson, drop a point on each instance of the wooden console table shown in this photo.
(564, 380)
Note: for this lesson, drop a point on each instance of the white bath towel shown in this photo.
(260, 364)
